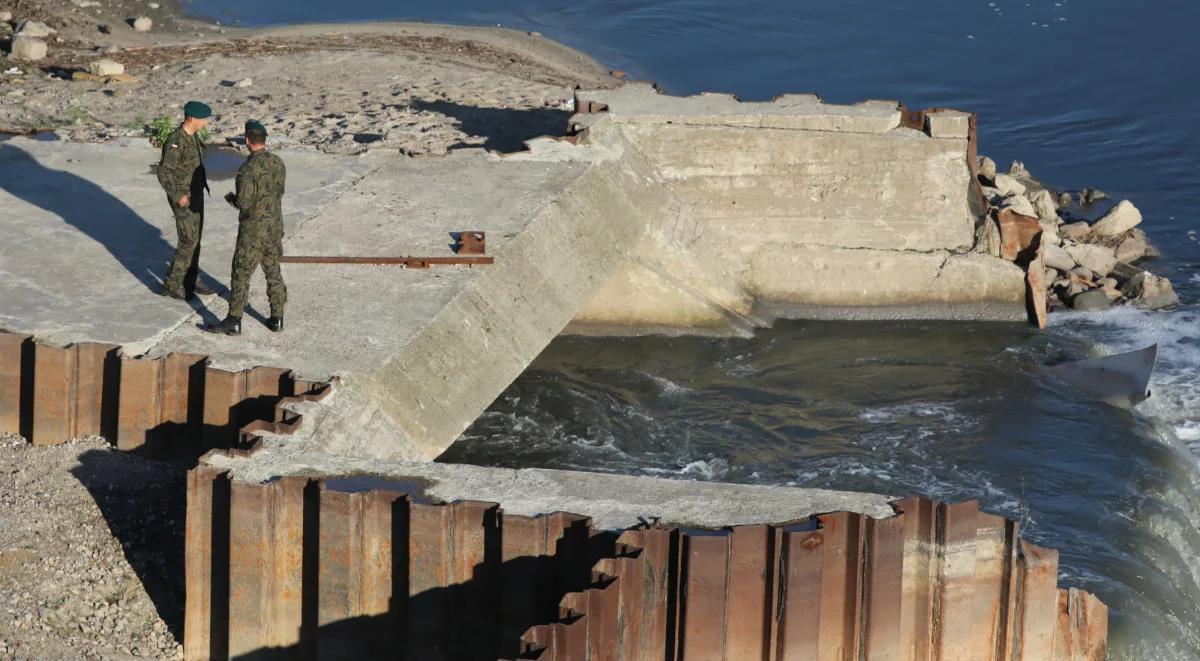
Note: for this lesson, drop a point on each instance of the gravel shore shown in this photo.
(91, 553)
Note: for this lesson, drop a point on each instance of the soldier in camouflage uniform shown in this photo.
(259, 196)
(181, 173)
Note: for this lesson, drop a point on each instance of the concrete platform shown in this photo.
(664, 214)
(88, 236)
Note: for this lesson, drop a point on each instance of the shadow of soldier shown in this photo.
(136, 244)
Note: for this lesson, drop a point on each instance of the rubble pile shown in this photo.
(1087, 264)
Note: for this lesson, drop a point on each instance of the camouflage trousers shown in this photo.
(189, 225)
(254, 249)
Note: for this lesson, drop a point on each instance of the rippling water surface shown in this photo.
(1088, 93)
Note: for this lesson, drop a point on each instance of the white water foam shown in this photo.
(1175, 386)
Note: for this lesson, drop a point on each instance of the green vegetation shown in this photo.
(160, 129)
(76, 113)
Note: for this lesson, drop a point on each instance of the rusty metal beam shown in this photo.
(408, 262)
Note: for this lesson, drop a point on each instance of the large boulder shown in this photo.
(987, 169)
(1007, 185)
(1119, 220)
(1050, 231)
(34, 29)
(1058, 258)
(1091, 300)
(1075, 231)
(1149, 291)
(1043, 202)
(1019, 204)
(106, 68)
(1097, 259)
(28, 49)
(1135, 247)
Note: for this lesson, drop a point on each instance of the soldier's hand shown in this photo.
(183, 201)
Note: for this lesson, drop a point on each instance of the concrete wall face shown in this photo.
(801, 209)
(299, 569)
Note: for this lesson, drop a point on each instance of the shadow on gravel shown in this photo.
(503, 129)
(144, 502)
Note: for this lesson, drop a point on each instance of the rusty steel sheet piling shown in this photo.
(384, 574)
(170, 407)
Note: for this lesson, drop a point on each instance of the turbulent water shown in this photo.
(1088, 93)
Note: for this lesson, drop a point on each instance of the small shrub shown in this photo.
(160, 129)
(76, 114)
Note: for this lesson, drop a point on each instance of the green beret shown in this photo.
(255, 125)
(197, 110)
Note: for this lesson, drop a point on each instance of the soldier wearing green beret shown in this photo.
(259, 196)
(181, 173)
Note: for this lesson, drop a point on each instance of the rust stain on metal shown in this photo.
(174, 407)
(455, 581)
(470, 242)
(408, 262)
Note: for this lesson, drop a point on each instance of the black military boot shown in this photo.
(275, 324)
(230, 326)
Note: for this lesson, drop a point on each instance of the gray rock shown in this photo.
(1122, 272)
(1050, 232)
(1119, 220)
(1008, 186)
(987, 169)
(1064, 199)
(1091, 300)
(1109, 282)
(1095, 258)
(1083, 272)
(1058, 258)
(1020, 204)
(143, 24)
(28, 49)
(106, 68)
(111, 49)
(1044, 203)
(1017, 168)
(1149, 291)
(35, 29)
(992, 194)
(245, 82)
(1075, 231)
(1089, 196)
(1135, 247)
(1049, 275)
(5, 16)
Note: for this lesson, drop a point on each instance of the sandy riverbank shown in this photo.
(415, 88)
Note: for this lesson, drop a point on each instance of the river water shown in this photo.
(1087, 93)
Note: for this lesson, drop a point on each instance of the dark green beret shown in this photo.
(255, 125)
(197, 110)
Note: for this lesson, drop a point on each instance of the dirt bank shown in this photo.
(415, 88)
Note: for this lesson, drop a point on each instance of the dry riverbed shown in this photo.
(419, 89)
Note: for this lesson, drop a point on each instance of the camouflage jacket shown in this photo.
(260, 183)
(181, 169)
